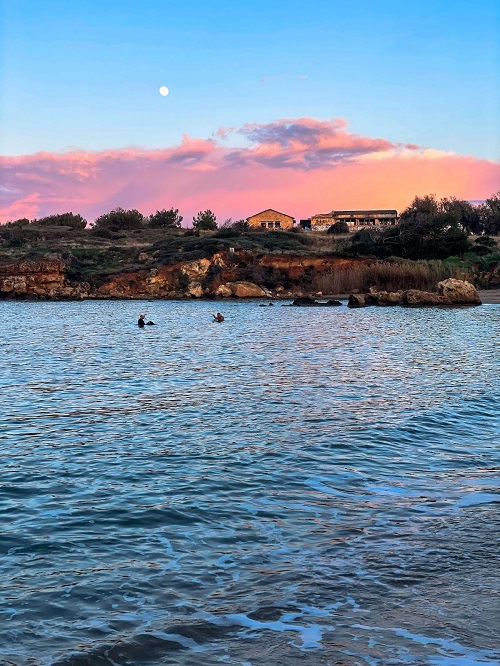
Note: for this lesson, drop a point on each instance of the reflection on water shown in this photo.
(294, 486)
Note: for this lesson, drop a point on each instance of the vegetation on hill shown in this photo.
(433, 240)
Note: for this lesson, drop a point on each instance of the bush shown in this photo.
(62, 220)
(227, 232)
(119, 218)
(205, 221)
(165, 219)
(103, 232)
(340, 227)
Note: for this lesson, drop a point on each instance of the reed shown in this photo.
(388, 276)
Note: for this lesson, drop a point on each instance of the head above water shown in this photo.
(142, 316)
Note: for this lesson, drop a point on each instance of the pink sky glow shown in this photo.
(298, 166)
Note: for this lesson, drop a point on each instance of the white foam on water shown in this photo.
(464, 656)
(310, 635)
(185, 641)
(460, 661)
(317, 483)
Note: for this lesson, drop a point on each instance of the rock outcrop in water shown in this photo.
(449, 292)
(307, 302)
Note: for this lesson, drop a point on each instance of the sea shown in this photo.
(293, 486)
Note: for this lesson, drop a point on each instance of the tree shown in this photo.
(484, 245)
(119, 218)
(62, 220)
(466, 216)
(340, 227)
(21, 222)
(240, 226)
(165, 219)
(490, 215)
(428, 229)
(205, 221)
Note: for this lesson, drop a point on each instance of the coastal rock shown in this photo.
(196, 270)
(34, 279)
(304, 301)
(195, 290)
(459, 292)
(450, 292)
(224, 291)
(307, 301)
(240, 290)
(356, 301)
(248, 290)
(382, 297)
(416, 298)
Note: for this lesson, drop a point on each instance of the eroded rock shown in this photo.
(459, 292)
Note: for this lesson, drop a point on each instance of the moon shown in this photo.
(163, 90)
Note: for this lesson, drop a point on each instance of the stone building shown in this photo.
(355, 219)
(271, 219)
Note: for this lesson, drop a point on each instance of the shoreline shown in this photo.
(489, 296)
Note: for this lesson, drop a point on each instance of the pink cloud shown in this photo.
(300, 166)
(304, 143)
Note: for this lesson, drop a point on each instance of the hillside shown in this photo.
(61, 262)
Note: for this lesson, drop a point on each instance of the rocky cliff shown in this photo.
(226, 274)
(44, 278)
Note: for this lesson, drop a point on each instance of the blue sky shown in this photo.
(86, 74)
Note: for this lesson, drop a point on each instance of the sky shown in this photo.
(299, 106)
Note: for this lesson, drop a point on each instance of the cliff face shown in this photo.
(45, 278)
(240, 274)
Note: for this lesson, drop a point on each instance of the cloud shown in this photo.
(306, 143)
(301, 166)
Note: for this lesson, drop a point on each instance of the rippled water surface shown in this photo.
(293, 486)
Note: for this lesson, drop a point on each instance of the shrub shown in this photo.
(165, 219)
(62, 220)
(340, 227)
(119, 218)
(205, 221)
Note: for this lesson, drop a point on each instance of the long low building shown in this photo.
(355, 219)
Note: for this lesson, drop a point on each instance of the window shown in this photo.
(263, 224)
(270, 225)
(277, 224)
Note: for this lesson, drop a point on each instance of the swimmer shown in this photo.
(218, 317)
(141, 323)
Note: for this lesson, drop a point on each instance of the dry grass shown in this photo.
(388, 276)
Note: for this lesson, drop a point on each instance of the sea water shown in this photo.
(313, 486)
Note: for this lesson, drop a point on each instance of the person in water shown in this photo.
(141, 323)
(218, 317)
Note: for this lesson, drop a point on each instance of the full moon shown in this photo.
(163, 91)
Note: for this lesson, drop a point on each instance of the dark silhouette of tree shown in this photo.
(62, 220)
(119, 219)
(165, 219)
(21, 222)
(490, 215)
(428, 229)
(466, 216)
(205, 221)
